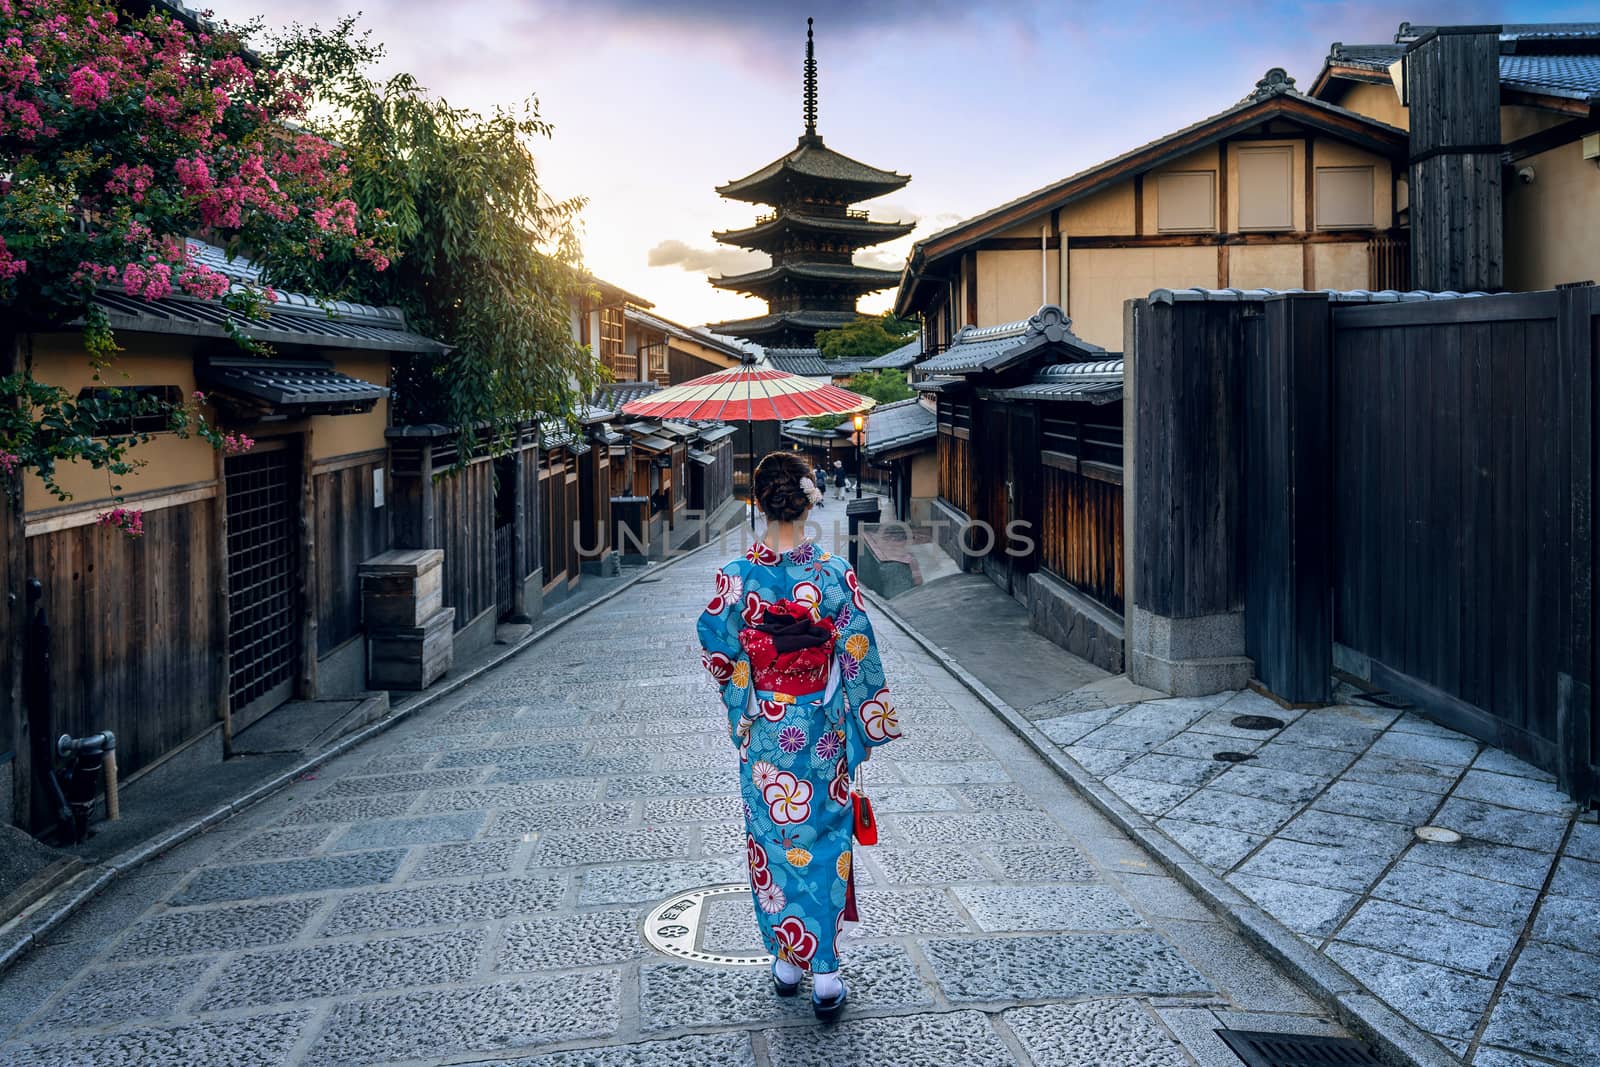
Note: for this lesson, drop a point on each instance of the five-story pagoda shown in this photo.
(811, 234)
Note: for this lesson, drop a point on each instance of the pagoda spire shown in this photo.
(811, 83)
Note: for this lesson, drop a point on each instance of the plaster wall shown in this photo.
(1552, 226)
(1102, 278)
(1009, 284)
(1267, 266)
(1341, 266)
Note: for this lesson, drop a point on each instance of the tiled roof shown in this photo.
(683, 333)
(764, 324)
(810, 363)
(1097, 382)
(813, 160)
(899, 359)
(802, 430)
(871, 277)
(1338, 296)
(1550, 59)
(870, 231)
(993, 348)
(613, 395)
(290, 387)
(897, 425)
(1575, 77)
(287, 324)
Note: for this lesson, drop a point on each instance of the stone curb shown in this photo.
(1396, 1039)
(63, 903)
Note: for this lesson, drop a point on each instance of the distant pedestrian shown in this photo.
(821, 479)
(787, 640)
(839, 479)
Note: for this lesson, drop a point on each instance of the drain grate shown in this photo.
(1257, 722)
(1258, 1049)
(1232, 757)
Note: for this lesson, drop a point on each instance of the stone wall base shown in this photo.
(1075, 622)
(477, 634)
(1188, 657)
(947, 524)
(343, 672)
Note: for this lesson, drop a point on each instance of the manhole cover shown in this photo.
(677, 926)
(1258, 1049)
(1437, 835)
(1257, 722)
(1231, 757)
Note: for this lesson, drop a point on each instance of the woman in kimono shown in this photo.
(786, 638)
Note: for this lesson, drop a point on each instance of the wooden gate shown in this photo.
(987, 536)
(1018, 540)
(263, 578)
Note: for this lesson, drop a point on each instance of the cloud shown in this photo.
(704, 260)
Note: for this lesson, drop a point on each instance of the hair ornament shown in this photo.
(813, 494)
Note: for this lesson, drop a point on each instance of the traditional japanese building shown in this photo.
(811, 233)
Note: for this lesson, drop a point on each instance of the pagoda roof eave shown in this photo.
(870, 231)
(784, 321)
(835, 273)
(813, 163)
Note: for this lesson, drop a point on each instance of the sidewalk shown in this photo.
(471, 886)
(1490, 943)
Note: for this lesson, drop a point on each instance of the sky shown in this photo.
(657, 102)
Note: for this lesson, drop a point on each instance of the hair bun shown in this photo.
(777, 486)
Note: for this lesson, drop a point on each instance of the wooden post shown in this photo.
(220, 605)
(1452, 87)
(519, 532)
(1186, 627)
(308, 573)
(1577, 719)
(1288, 494)
(14, 736)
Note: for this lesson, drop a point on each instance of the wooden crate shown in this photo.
(412, 657)
(402, 589)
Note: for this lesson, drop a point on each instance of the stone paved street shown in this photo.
(471, 886)
(1491, 943)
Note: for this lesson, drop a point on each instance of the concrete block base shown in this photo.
(343, 672)
(607, 565)
(1075, 622)
(948, 524)
(1189, 656)
(479, 633)
(886, 577)
(533, 594)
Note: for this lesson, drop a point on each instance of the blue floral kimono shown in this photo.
(797, 751)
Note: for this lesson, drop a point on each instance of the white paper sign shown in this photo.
(377, 487)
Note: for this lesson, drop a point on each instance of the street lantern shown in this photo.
(861, 452)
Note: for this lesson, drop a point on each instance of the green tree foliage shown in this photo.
(884, 386)
(866, 338)
(488, 262)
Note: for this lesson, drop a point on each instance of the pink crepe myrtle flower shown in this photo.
(129, 520)
(9, 461)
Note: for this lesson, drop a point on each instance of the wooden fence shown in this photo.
(1402, 489)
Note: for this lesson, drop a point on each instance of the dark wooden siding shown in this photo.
(136, 645)
(1187, 458)
(1463, 431)
(1081, 538)
(1288, 507)
(464, 528)
(956, 475)
(348, 530)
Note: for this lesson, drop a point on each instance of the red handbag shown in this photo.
(866, 823)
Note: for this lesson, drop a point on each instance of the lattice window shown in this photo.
(261, 575)
(624, 365)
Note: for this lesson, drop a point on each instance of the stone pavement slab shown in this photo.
(471, 885)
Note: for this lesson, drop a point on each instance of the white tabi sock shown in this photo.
(786, 972)
(825, 985)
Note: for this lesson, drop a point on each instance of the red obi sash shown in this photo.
(789, 650)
